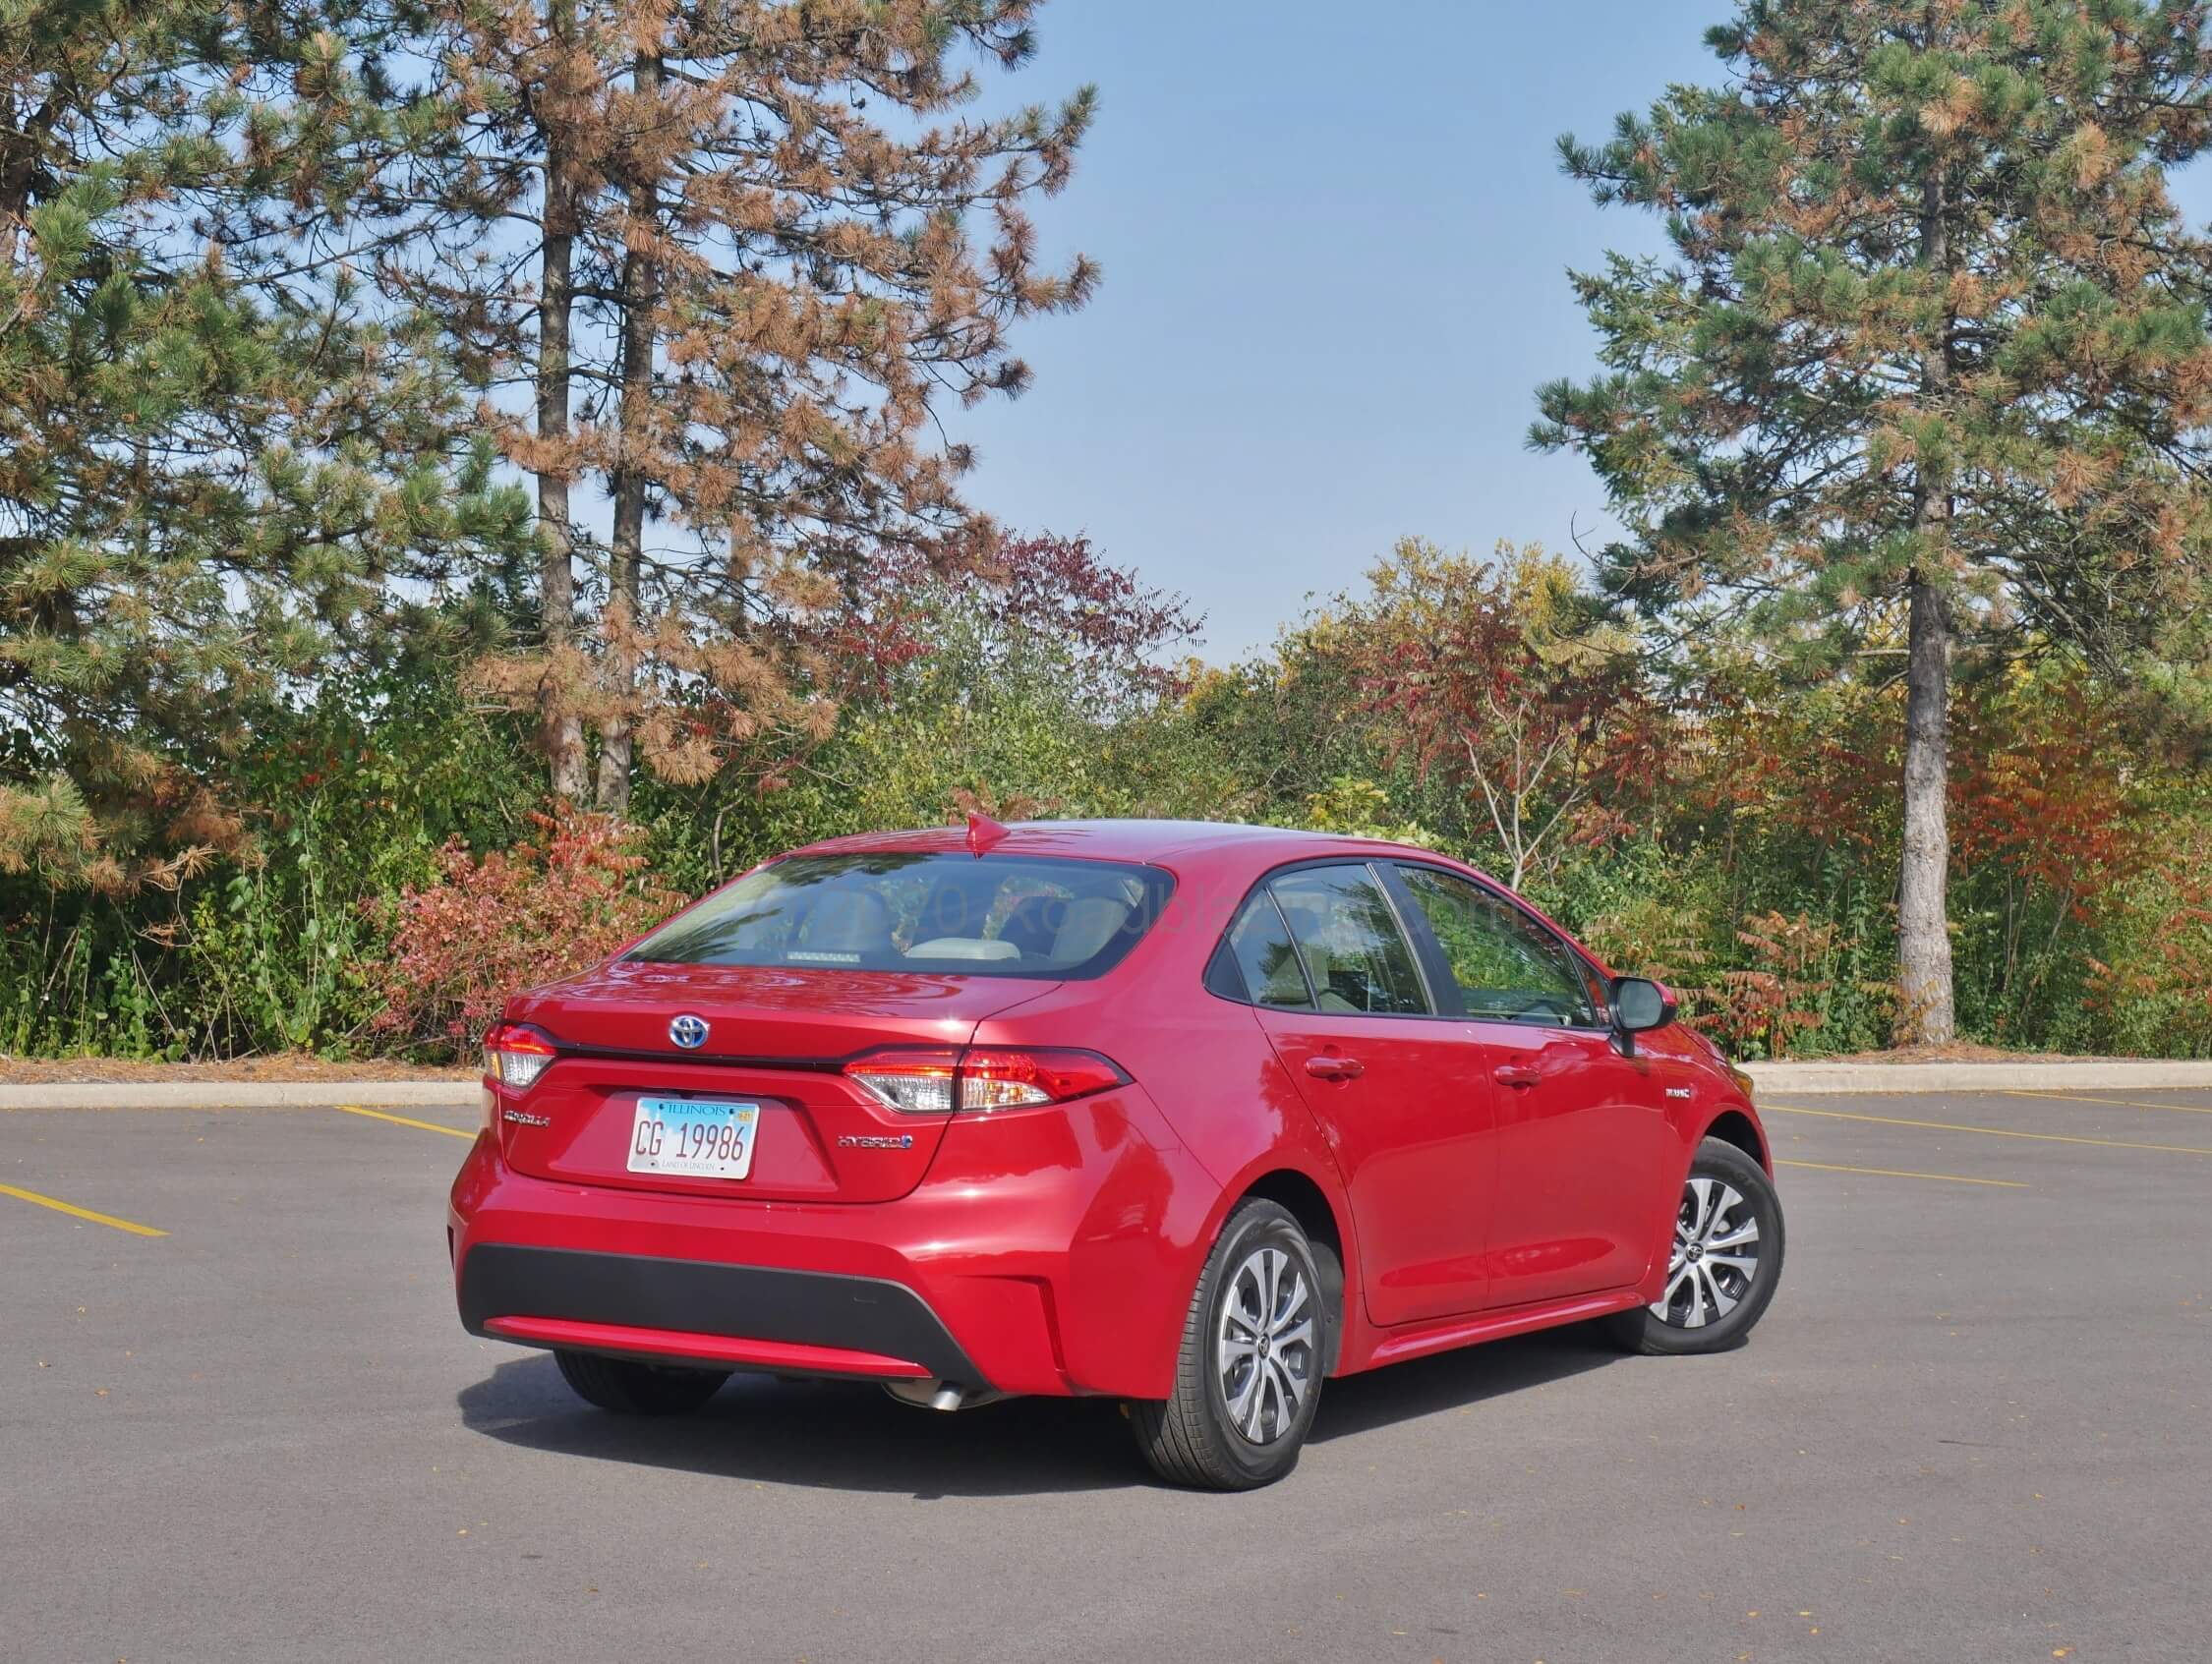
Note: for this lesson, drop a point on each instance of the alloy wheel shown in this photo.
(1716, 1255)
(1264, 1350)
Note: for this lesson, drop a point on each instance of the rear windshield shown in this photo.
(993, 915)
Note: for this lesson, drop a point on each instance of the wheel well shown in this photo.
(1310, 1206)
(1735, 1127)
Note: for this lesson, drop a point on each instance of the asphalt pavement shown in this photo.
(239, 1421)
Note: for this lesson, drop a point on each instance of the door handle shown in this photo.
(1335, 1069)
(1519, 1076)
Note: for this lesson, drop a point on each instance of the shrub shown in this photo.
(1358, 808)
(1767, 1007)
(508, 921)
(2154, 993)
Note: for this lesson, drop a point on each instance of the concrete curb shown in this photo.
(1807, 1079)
(2117, 1074)
(232, 1094)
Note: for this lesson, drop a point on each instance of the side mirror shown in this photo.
(1638, 1003)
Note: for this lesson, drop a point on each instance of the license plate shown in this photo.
(697, 1137)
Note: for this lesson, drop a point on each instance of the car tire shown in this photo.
(1248, 1377)
(1722, 1266)
(630, 1388)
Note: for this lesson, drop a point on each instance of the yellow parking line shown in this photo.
(1989, 1132)
(76, 1212)
(402, 1121)
(1894, 1173)
(2110, 1103)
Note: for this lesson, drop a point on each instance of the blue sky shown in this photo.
(1335, 242)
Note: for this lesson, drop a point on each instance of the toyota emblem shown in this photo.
(688, 1031)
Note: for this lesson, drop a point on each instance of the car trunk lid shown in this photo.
(775, 1037)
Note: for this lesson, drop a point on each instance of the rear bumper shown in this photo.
(804, 1322)
(1046, 1252)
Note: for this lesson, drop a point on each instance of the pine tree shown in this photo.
(737, 254)
(213, 459)
(1932, 342)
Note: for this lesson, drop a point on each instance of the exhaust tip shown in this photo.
(946, 1396)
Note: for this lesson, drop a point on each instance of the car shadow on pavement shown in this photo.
(840, 1436)
(832, 1434)
(1458, 1380)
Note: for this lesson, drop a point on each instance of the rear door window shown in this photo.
(1356, 955)
(994, 915)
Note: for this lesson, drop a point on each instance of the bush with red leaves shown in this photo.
(510, 920)
(1766, 1008)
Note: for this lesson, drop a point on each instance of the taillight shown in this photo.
(917, 1082)
(983, 1078)
(1002, 1077)
(515, 1055)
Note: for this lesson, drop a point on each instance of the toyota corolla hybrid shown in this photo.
(1190, 1116)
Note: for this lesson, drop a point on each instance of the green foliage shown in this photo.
(2146, 982)
(1358, 807)
(1009, 721)
(1932, 311)
(271, 953)
(1930, 342)
(1756, 876)
(216, 462)
(269, 948)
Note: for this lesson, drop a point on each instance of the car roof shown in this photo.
(1146, 841)
(1248, 849)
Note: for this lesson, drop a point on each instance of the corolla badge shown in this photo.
(688, 1031)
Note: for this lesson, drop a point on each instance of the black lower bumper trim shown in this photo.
(811, 1308)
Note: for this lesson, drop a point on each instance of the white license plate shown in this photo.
(697, 1137)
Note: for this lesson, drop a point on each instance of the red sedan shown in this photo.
(1192, 1115)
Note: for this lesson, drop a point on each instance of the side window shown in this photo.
(1506, 964)
(1263, 955)
(1356, 955)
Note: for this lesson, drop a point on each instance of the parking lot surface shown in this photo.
(239, 1421)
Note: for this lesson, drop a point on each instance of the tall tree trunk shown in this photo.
(560, 731)
(641, 280)
(1924, 983)
(1924, 979)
